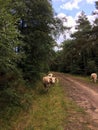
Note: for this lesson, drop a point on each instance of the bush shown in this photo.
(91, 67)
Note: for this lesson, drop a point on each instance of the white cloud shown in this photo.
(77, 14)
(90, 1)
(71, 5)
(55, 0)
(61, 15)
(91, 18)
(69, 22)
(60, 39)
(58, 0)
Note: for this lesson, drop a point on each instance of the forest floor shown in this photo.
(85, 94)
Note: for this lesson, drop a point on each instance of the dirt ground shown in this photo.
(85, 94)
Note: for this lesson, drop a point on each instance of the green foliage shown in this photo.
(26, 47)
(80, 55)
(26, 43)
(96, 4)
(38, 27)
(8, 39)
(91, 67)
(14, 101)
(56, 65)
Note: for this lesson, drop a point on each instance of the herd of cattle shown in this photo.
(50, 79)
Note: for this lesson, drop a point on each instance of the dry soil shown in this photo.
(85, 94)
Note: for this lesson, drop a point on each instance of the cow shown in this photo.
(47, 81)
(53, 80)
(94, 77)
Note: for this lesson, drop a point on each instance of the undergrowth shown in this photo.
(37, 109)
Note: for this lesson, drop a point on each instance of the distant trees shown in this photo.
(82, 41)
(80, 54)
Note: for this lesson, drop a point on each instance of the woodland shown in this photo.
(28, 33)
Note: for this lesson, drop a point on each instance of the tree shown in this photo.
(94, 36)
(38, 26)
(9, 39)
(80, 55)
(82, 39)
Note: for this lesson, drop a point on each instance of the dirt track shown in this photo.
(85, 94)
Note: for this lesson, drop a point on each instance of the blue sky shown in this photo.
(71, 9)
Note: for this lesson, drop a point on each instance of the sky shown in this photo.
(71, 10)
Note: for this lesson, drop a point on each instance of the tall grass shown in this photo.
(51, 110)
(48, 109)
(14, 101)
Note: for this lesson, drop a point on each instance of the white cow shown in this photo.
(53, 80)
(94, 77)
(47, 81)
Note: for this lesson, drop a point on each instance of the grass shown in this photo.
(14, 102)
(51, 110)
(84, 78)
(48, 110)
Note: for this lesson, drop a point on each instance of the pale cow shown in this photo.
(47, 81)
(54, 80)
(94, 77)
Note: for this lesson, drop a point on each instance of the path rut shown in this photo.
(83, 93)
